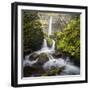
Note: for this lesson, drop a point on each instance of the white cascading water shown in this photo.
(44, 48)
(50, 26)
(70, 68)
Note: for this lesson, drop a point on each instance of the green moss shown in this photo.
(43, 57)
(49, 42)
(45, 35)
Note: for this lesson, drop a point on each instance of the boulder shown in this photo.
(43, 57)
(57, 55)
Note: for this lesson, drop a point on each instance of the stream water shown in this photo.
(70, 68)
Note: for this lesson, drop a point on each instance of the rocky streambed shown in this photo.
(47, 62)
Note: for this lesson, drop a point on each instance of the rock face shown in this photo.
(43, 57)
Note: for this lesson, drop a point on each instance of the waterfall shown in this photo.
(53, 46)
(44, 43)
(46, 49)
(50, 26)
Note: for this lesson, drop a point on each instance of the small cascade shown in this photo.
(53, 46)
(45, 48)
(44, 43)
(71, 69)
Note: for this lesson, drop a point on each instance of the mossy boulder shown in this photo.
(43, 57)
(49, 42)
(33, 56)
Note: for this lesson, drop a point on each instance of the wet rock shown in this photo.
(43, 57)
(57, 55)
(34, 56)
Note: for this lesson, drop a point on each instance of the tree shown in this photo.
(68, 41)
(32, 32)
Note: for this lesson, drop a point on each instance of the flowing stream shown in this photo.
(70, 68)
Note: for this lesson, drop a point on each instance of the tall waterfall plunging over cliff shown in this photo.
(50, 26)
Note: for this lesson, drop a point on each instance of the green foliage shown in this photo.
(32, 34)
(68, 41)
(45, 35)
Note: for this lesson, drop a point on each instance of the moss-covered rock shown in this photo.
(49, 42)
(43, 57)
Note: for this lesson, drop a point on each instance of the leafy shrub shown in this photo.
(68, 41)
